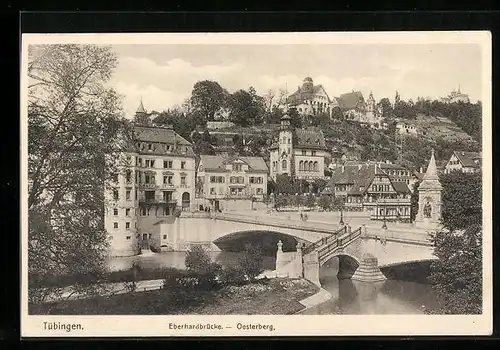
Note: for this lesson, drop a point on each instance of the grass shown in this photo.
(278, 296)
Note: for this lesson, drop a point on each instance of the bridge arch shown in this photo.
(267, 239)
(347, 264)
(413, 270)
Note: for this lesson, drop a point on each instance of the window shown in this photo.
(127, 225)
(183, 165)
(150, 147)
(313, 153)
(241, 180)
(115, 212)
(143, 212)
(304, 153)
(114, 177)
(164, 236)
(212, 190)
(236, 167)
(115, 225)
(167, 179)
(183, 180)
(289, 141)
(259, 190)
(128, 237)
(167, 164)
(128, 175)
(283, 165)
(115, 195)
(127, 195)
(127, 212)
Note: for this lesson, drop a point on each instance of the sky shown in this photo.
(164, 75)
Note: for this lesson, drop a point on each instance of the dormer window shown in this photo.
(150, 147)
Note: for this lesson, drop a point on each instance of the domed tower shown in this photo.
(285, 150)
(307, 85)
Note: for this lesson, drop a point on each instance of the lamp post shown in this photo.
(341, 214)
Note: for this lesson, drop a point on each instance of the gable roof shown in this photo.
(400, 187)
(158, 134)
(300, 95)
(350, 100)
(467, 158)
(309, 138)
(364, 179)
(218, 162)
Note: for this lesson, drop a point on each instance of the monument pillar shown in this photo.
(429, 198)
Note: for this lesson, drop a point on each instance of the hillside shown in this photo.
(436, 127)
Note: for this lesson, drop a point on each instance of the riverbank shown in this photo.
(279, 296)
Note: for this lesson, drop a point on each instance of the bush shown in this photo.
(232, 275)
(250, 262)
(199, 263)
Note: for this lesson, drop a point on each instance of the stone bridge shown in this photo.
(362, 252)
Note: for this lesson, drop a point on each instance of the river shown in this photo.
(348, 297)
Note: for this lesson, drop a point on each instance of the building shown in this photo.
(466, 162)
(230, 183)
(310, 99)
(405, 128)
(381, 189)
(429, 198)
(355, 107)
(299, 153)
(455, 97)
(156, 179)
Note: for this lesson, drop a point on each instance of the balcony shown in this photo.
(157, 201)
(167, 187)
(145, 185)
(396, 201)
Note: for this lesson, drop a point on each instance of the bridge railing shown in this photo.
(325, 241)
(275, 221)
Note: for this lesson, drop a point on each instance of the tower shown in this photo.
(285, 149)
(307, 85)
(141, 116)
(429, 198)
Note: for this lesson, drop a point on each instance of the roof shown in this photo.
(219, 162)
(350, 100)
(345, 174)
(400, 187)
(141, 109)
(364, 179)
(467, 158)
(158, 134)
(309, 138)
(300, 95)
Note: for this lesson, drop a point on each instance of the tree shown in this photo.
(337, 113)
(318, 185)
(246, 107)
(281, 201)
(76, 131)
(414, 202)
(310, 200)
(207, 98)
(250, 261)
(295, 119)
(457, 274)
(284, 184)
(325, 202)
(386, 106)
(271, 186)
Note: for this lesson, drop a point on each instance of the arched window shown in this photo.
(301, 165)
(283, 165)
(311, 166)
(315, 166)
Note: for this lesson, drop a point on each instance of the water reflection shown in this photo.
(388, 297)
(176, 260)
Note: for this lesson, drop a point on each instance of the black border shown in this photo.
(243, 21)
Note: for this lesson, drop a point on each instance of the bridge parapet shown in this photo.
(317, 227)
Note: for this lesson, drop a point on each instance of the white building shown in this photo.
(310, 99)
(230, 183)
(299, 153)
(157, 178)
(456, 96)
(466, 162)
